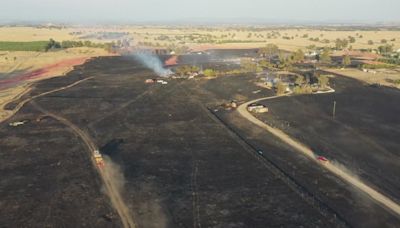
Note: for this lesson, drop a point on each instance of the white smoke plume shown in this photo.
(152, 61)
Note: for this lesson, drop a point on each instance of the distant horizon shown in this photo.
(205, 22)
(295, 12)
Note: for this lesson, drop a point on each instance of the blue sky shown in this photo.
(92, 11)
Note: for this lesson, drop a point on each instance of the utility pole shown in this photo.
(334, 110)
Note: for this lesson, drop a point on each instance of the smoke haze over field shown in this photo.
(228, 11)
(153, 62)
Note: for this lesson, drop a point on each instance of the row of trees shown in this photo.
(249, 66)
(271, 50)
(186, 69)
(323, 80)
(23, 46)
(341, 44)
(303, 87)
(213, 73)
(87, 43)
(385, 49)
(52, 44)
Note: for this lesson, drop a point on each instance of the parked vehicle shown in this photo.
(322, 159)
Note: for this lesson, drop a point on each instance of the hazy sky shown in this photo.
(200, 10)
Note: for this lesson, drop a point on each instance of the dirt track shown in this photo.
(182, 168)
(105, 173)
(22, 103)
(380, 198)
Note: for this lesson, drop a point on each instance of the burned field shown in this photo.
(181, 164)
(46, 179)
(363, 135)
(362, 139)
(356, 208)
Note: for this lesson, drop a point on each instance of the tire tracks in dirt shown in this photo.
(105, 173)
(381, 199)
(23, 102)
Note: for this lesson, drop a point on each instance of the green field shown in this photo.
(23, 46)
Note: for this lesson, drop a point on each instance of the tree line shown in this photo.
(51, 45)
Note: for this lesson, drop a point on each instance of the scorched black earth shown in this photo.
(181, 166)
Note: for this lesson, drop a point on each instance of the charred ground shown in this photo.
(182, 166)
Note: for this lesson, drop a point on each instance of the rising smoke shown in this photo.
(152, 61)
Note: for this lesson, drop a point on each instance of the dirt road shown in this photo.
(298, 146)
(22, 103)
(106, 173)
